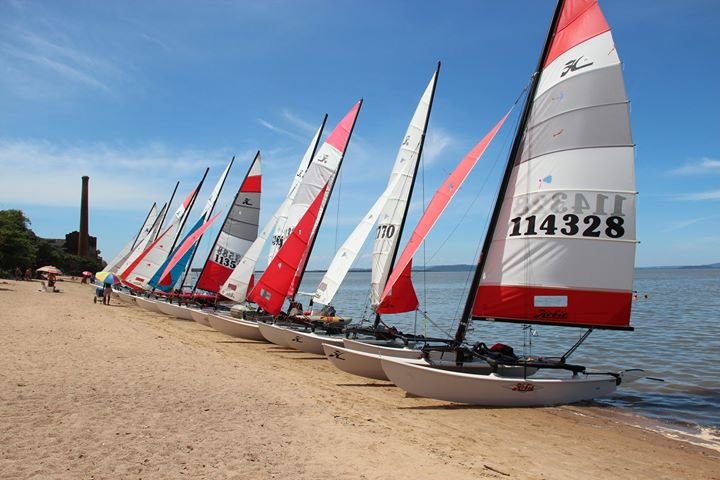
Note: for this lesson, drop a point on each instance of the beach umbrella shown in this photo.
(86, 274)
(108, 278)
(49, 269)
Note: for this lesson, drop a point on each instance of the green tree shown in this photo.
(18, 244)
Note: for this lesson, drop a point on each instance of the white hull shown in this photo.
(493, 390)
(147, 304)
(177, 311)
(199, 316)
(235, 327)
(382, 348)
(359, 363)
(310, 342)
(274, 334)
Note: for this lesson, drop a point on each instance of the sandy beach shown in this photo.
(94, 391)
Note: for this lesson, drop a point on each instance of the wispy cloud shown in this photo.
(299, 122)
(711, 195)
(280, 130)
(687, 223)
(705, 165)
(436, 142)
(121, 176)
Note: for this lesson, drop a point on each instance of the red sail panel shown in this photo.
(182, 249)
(553, 305)
(580, 20)
(252, 184)
(401, 298)
(437, 206)
(270, 291)
(341, 134)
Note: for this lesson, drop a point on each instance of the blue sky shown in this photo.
(138, 95)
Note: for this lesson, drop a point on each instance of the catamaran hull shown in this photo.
(359, 363)
(492, 390)
(310, 342)
(172, 310)
(147, 304)
(274, 334)
(200, 317)
(384, 348)
(235, 327)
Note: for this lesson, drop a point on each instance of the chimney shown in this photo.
(83, 237)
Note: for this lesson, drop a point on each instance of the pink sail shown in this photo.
(401, 298)
(436, 207)
(272, 287)
(182, 249)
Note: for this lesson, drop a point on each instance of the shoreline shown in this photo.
(118, 392)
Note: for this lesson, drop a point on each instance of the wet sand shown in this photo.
(94, 391)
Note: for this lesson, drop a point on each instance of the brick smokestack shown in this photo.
(83, 237)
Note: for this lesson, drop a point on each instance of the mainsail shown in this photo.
(561, 244)
(175, 265)
(141, 270)
(143, 244)
(392, 217)
(127, 249)
(237, 284)
(238, 232)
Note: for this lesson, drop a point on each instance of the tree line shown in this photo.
(20, 247)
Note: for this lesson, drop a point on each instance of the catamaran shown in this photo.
(561, 242)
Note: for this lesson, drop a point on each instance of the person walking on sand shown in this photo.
(28, 274)
(18, 274)
(107, 293)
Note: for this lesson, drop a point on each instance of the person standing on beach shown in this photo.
(18, 274)
(28, 274)
(107, 293)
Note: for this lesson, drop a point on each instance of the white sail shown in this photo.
(141, 245)
(348, 252)
(391, 217)
(282, 215)
(127, 249)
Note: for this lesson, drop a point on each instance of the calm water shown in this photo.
(676, 338)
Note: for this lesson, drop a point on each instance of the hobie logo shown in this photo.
(523, 387)
(574, 65)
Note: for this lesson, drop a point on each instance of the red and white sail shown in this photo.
(389, 224)
(563, 247)
(237, 233)
(435, 208)
(271, 289)
(236, 286)
(321, 172)
(281, 216)
(142, 245)
(127, 249)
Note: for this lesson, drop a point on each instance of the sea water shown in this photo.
(676, 341)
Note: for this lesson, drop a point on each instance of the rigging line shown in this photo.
(337, 215)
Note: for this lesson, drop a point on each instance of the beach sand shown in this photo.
(94, 391)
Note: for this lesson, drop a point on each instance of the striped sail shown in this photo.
(238, 232)
(281, 232)
(236, 285)
(391, 217)
(321, 172)
(563, 246)
(127, 249)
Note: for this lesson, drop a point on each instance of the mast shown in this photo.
(237, 194)
(329, 195)
(412, 184)
(208, 214)
(466, 315)
(187, 212)
(162, 220)
(143, 225)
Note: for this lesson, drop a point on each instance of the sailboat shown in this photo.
(240, 280)
(281, 279)
(389, 214)
(561, 242)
